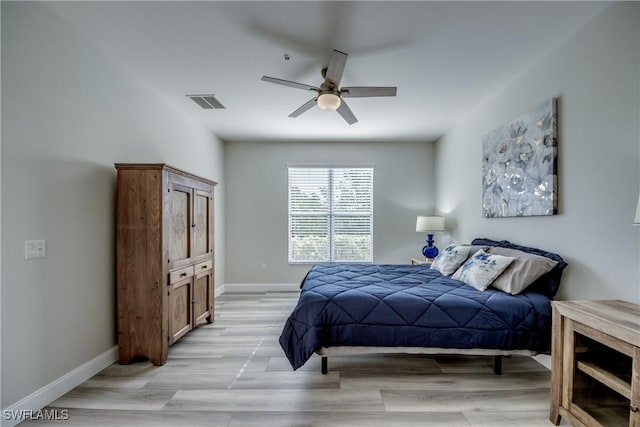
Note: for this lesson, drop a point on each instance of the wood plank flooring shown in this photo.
(233, 373)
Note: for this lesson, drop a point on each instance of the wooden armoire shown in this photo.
(164, 257)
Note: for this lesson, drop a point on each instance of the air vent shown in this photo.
(207, 101)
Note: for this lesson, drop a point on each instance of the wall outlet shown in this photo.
(34, 249)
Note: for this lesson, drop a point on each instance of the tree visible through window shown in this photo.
(330, 215)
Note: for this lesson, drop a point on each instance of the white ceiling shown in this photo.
(445, 58)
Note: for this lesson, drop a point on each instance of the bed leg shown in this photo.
(325, 364)
(497, 365)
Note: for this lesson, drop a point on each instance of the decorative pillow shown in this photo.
(475, 248)
(482, 269)
(525, 269)
(547, 284)
(450, 259)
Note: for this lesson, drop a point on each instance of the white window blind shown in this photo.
(330, 214)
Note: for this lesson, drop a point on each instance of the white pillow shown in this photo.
(525, 269)
(450, 259)
(482, 269)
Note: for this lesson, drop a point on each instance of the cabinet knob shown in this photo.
(183, 275)
(633, 408)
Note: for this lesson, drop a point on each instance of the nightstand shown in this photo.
(420, 261)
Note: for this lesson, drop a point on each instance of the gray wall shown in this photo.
(256, 203)
(68, 114)
(595, 75)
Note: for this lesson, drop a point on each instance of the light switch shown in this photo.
(34, 249)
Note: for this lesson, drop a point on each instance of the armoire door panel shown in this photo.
(201, 224)
(180, 231)
(180, 309)
(202, 297)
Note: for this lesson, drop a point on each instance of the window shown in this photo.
(330, 215)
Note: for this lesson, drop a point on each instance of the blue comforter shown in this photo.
(410, 306)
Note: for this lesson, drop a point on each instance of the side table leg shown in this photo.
(634, 415)
(556, 366)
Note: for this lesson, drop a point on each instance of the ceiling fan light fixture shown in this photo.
(329, 93)
(328, 101)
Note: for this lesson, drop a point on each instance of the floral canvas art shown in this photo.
(519, 165)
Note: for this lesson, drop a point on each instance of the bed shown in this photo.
(385, 308)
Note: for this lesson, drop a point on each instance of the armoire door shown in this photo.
(203, 292)
(180, 305)
(180, 200)
(202, 245)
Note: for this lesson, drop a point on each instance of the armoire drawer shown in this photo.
(180, 274)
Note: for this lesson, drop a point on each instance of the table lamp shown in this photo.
(429, 224)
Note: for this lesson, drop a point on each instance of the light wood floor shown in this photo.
(233, 373)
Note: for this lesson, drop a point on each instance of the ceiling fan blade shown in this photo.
(289, 83)
(346, 113)
(367, 91)
(306, 106)
(336, 67)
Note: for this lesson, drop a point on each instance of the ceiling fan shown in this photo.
(329, 94)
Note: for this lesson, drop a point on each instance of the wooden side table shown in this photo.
(595, 373)
(419, 261)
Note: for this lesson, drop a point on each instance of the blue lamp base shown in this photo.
(430, 250)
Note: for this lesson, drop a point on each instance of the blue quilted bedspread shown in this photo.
(409, 306)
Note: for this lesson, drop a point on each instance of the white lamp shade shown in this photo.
(328, 101)
(636, 220)
(429, 223)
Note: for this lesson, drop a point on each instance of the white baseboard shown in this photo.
(55, 389)
(261, 287)
(219, 290)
